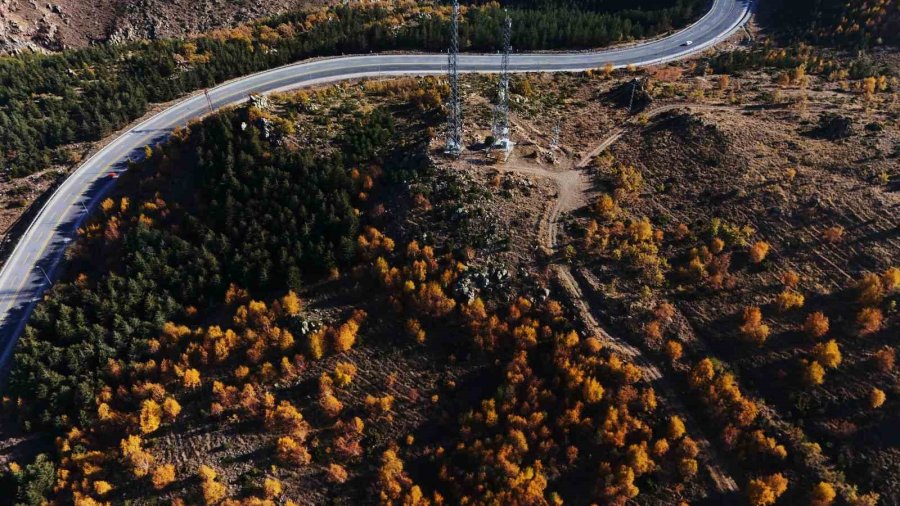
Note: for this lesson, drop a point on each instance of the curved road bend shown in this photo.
(32, 264)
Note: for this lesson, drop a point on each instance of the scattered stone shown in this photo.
(260, 101)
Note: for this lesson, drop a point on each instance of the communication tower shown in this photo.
(454, 107)
(500, 127)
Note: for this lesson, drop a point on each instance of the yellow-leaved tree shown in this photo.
(191, 378)
(828, 354)
(162, 476)
(213, 490)
(135, 456)
(151, 415)
(766, 490)
(291, 303)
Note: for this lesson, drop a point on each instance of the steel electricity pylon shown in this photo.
(500, 126)
(454, 106)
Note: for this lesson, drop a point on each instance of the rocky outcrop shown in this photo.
(15, 30)
(30, 25)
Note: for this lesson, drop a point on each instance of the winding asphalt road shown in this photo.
(31, 267)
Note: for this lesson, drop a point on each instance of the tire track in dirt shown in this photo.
(573, 187)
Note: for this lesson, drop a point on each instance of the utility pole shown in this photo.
(500, 127)
(454, 107)
(208, 101)
(634, 84)
(45, 275)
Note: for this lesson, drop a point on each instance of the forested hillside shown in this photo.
(177, 362)
(174, 246)
(49, 102)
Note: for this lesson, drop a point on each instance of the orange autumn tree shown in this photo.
(753, 329)
(765, 490)
(816, 325)
(394, 485)
(345, 335)
(162, 476)
(828, 354)
(758, 251)
(213, 489)
(151, 416)
(721, 393)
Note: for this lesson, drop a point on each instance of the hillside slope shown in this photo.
(54, 26)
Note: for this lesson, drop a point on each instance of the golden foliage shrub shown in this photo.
(828, 354)
(162, 476)
(765, 490)
(876, 398)
(816, 325)
(753, 329)
(789, 299)
(758, 251)
(813, 373)
(869, 320)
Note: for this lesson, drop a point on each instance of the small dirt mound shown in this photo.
(833, 127)
(691, 128)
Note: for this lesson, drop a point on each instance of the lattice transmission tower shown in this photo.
(500, 126)
(454, 107)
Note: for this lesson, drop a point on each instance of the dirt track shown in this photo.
(574, 191)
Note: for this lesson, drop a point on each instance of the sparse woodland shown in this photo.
(719, 257)
(275, 307)
(191, 316)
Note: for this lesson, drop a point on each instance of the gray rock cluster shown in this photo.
(481, 279)
(305, 326)
(513, 181)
